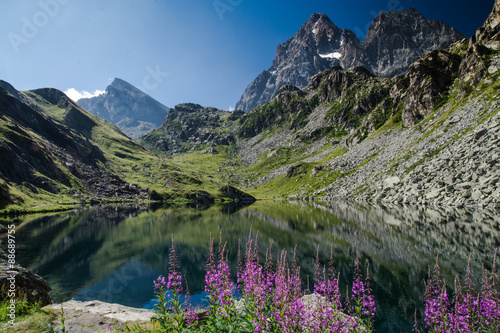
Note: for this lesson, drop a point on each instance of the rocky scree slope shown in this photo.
(429, 137)
(133, 111)
(394, 41)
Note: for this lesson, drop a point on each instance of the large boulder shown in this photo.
(235, 194)
(27, 285)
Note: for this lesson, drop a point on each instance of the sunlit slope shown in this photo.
(55, 153)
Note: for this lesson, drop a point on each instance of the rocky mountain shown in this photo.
(428, 137)
(394, 41)
(133, 111)
(192, 126)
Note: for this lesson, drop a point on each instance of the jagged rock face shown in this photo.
(314, 48)
(133, 111)
(191, 125)
(488, 33)
(394, 41)
(420, 90)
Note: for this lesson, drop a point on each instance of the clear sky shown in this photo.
(199, 51)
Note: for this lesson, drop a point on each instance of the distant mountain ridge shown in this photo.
(131, 110)
(394, 41)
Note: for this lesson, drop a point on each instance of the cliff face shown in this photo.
(394, 41)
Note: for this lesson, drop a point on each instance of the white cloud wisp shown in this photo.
(75, 95)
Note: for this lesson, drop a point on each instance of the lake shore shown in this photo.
(96, 316)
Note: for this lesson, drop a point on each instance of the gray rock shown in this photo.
(390, 182)
(27, 285)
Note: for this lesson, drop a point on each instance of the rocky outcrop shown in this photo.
(488, 34)
(236, 194)
(133, 111)
(425, 85)
(96, 316)
(24, 283)
(191, 126)
(394, 41)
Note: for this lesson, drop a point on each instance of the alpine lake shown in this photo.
(113, 253)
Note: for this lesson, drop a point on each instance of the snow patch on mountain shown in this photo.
(336, 55)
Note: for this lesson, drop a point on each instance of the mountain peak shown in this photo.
(120, 84)
(319, 17)
(124, 105)
(317, 23)
(394, 41)
(318, 36)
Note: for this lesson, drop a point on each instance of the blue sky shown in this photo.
(200, 51)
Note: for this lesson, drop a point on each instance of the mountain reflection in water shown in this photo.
(113, 253)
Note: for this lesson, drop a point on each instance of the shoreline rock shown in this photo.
(27, 284)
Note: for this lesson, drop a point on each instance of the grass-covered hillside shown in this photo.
(56, 154)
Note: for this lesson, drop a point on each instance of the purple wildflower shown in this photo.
(361, 294)
(218, 277)
(159, 283)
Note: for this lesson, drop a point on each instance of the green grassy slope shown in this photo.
(57, 154)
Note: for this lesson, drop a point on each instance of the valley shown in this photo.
(379, 156)
(348, 134)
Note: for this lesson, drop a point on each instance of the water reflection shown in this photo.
(114, 253)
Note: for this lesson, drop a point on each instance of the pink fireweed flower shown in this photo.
(361, 292)
(174, 277)
(175, 282)
(489, 305)
(218, 281)
(159, 283)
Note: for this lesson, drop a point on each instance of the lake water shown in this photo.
(114, 253)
